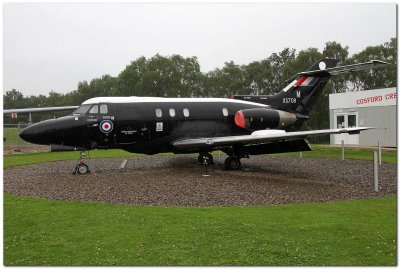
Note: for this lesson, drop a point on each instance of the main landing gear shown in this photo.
(233, 163)
(81, 167)
(235, 154)
(205, 158)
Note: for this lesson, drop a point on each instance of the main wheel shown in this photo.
(82, 168)
(205, 158)
(232, 163)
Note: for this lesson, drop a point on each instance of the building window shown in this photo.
(172, 112)
(340, 122)
(158, 113)
(225, 112)
(186, 112)
(103, 109)
(352, 121)
(94, 109)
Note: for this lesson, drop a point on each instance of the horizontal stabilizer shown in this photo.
(345, 69)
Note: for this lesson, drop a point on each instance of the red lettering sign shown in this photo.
(375, 99)
(391, 96)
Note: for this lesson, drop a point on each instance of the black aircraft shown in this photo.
(241, 126)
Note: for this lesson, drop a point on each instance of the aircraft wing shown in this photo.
(39, 109)
(258, 137)
(345, 69)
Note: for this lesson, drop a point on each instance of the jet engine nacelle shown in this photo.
(264, 118)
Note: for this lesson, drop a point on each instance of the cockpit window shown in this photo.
(103, 109)
(82, 109)
(94, 109)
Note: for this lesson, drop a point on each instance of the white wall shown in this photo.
(380, 97)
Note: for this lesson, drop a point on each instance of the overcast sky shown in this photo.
(53, 46)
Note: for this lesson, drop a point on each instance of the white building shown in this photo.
(373, 108)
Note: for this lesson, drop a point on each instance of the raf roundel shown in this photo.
(106, 126)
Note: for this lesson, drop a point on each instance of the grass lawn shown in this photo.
(46, 232)
(41, 157)
(327, 151)
(12, 138)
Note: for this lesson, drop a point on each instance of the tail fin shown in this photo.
(301, 94)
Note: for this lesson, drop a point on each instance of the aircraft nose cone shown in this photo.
(31, 134)
(44, 133)
(26, 135)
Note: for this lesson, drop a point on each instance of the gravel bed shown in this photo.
(179, 181)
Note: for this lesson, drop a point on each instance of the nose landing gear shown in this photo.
(81, 167)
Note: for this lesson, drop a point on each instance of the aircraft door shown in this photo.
(127, 134)
(132, 127)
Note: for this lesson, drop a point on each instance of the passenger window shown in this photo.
(186, 112)
(225, 111)
(172, 112)
(158, 113)
(94, 109)
(103, 109)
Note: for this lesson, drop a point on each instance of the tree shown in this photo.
(130, 79)
(188, 78)
(225, 82)
(259, 76)
(13, 99)
(281, 69)
(103, 86)
(173, 76)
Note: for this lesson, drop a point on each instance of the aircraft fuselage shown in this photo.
(142, 125)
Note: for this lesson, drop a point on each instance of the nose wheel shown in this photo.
(81, 167)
